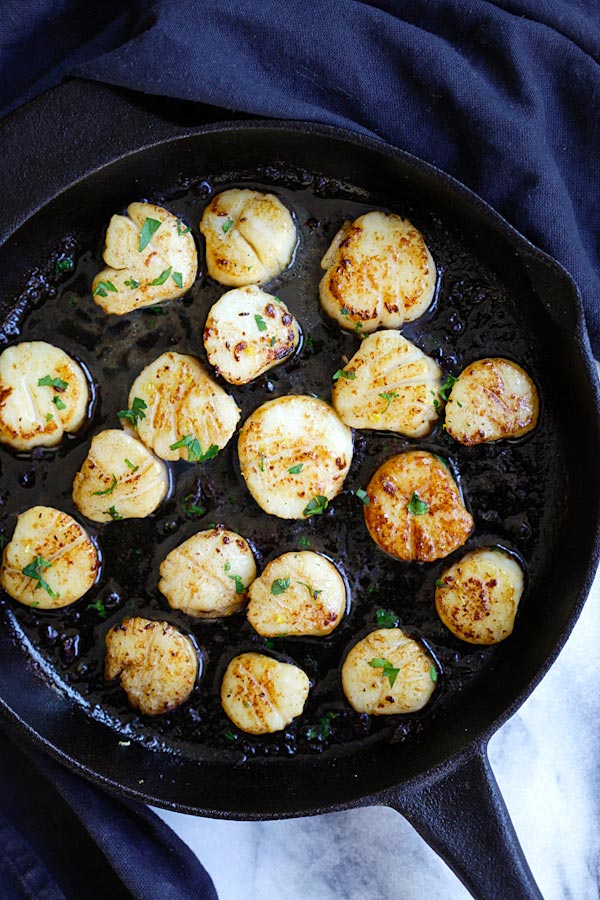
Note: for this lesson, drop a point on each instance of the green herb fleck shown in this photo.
(57, 383)
(58, 402)
(389, 671)
(386, 618)
(73, 300)
(65, 264)
(447, 386)
(231, 735)
(191, 508)
(227, 225)
(295, 470)
(35, 603)
(108, 490)
(260, 323)
(239, 584)
(162, 277)
(273, 341)
(280, 585)
(316, 506)
(321, 731)
(262, 462)
(304, 542)
(362, 495)
(156, 310)
(182, 228)
(389, 396)
(458, 403)
(443, 461)
(349, 375)
(433, 674)
(417, 507)
(136, 412)
(195, 453)
(132, 283)
(439, 583)
(130, 465)
(345, 311)
(100, 608)
(178, 279)
(114, 514)
(310, 344)
(103, 287)
(270, 644)
(34, 570)
(149, 228)
(311, 593)
(49, 417)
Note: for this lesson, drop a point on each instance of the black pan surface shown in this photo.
(537, 497)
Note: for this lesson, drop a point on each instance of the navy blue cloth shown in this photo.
(502, 94)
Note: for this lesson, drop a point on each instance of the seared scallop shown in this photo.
(157, 664)
(150, 256)
(388, 385)
(491, 399)
(43, 393)
(294, 455)
(119, 479)
(477, 597)
(183, 413)
(261, 695)
(208, 575)
(248, 332)
(379, 272)
(299, 594)
(250, 237)
(388, 673)
(415, 510)
(50, 560)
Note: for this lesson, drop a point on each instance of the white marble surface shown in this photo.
(546, 760)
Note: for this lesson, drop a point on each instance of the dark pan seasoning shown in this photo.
(512, 488)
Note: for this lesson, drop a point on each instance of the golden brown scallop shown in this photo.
(261, 695)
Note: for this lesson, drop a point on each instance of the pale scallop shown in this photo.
(389, 385)
(294, 433)
(477, 597)
(34, 415)
(261, 695)
(248, 332)
(491, 399)
(182, 401)
(369, 691)
(163, 270)
(61, 553)
(119, 479)
(250, 237)
(379, 273)
(415, 510)
(297, 594)
(208, 575)
(156, 663)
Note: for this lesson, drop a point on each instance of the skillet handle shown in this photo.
(462, 816)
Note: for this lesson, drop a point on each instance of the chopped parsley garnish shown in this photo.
(231, 735)
(103, 287)
(310, 344)
(295, 470)
(260, 323)
(321, 731)
(386, 618)
(65, 264)
(447, 386)
(273, 341)
(156, 310)
(227, 225)
(58, 402)
(458, 403)
(436, 404)
(316, 506)
(311, 593)
(100, 608)
(349, 375)
(372, 588)
(443, 461)
(34, 570)
(304, 542)
(73, 300)
(362, 495)
(239, 584)
(389, 396)
(149, 228)
(136, 412)
(440, 583)
(280, 585)
(114, 514)
(57, 383)
(178, 279)
(194, 449)
(132, 283)
(182, 228)
(130, 465)
(433, 674)
(162, 277)
(388, 670)
(417, 507)
(49, 417)
(191, 508)
(345, 311)
(358, 329)
(262, 462)
(108, 490)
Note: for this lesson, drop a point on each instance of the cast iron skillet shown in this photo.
(440, 780)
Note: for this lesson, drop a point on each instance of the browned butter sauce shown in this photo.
(509, 487)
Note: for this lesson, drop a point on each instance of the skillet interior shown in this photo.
(522, 494)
